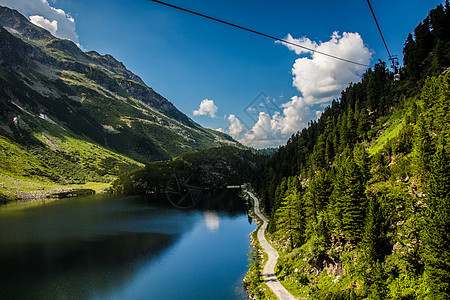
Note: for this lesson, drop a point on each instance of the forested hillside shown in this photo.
(211, 169)
(359, 202)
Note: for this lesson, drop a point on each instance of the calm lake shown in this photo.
(110, 247)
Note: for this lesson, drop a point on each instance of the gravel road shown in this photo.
(269, 268)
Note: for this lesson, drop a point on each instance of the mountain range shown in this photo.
(69, 116)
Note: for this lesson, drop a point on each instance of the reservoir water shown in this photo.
(111, 247)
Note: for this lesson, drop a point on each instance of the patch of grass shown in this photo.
(295, 288)
(267, 292)
(393, 128)
(16, 186)
(59, 163)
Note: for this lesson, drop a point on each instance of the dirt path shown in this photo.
(268, 272)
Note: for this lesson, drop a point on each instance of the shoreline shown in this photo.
(44, 194)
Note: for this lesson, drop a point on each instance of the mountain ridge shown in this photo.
(75, 59)
(61, 105)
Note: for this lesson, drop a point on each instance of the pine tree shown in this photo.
(351, 127)
(349, 198)
(280, 192)
(362, 159)
(363, 124)
(440, 58)
(436, 233)
(316, 199)
(329, 149)
(343, 130)
(439, 22)
(425, 150)
(279, 195)
(371, 229)
(290, 216)
(377, 288)
(318, 155)
(424, 39)
(376, 85)
(411, 59)
(337, 134)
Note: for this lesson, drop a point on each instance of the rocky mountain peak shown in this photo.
(92, 95)
(12, 20)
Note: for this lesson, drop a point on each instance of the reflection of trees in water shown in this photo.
(81, 262)
(226, 201)
(77, 268)
(183, 193)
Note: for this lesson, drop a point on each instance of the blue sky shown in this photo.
(188, 59)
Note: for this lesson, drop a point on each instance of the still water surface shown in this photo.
(109, 247)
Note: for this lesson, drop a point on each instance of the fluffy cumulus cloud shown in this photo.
(321, 78)
(40, 21)
(265, 132)
(273, 130)
(41, 13)
(318, 78)
(236, 127)
(207, 107)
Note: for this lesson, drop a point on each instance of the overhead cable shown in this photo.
(259, 33)
(379, 29)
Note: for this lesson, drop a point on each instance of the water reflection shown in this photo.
(81, 246)
(212, 221)
(103, 247)
(55, 268)
(227, 202)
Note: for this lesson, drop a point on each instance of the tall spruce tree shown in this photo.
(290, 216)
(349, 197)
(436, 231)
(316, 200)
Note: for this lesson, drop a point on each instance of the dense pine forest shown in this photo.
(359, 202)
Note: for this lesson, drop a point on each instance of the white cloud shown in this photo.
(236, 128)
(207, 107)
(318, 78)
(321, 78)
(273, 130)
(40, 13)
(304, 42)
(40, 21)
(266, 132)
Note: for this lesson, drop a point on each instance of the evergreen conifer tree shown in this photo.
(436, 231)
(290, 217)
(316, 201)
(349, 198)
